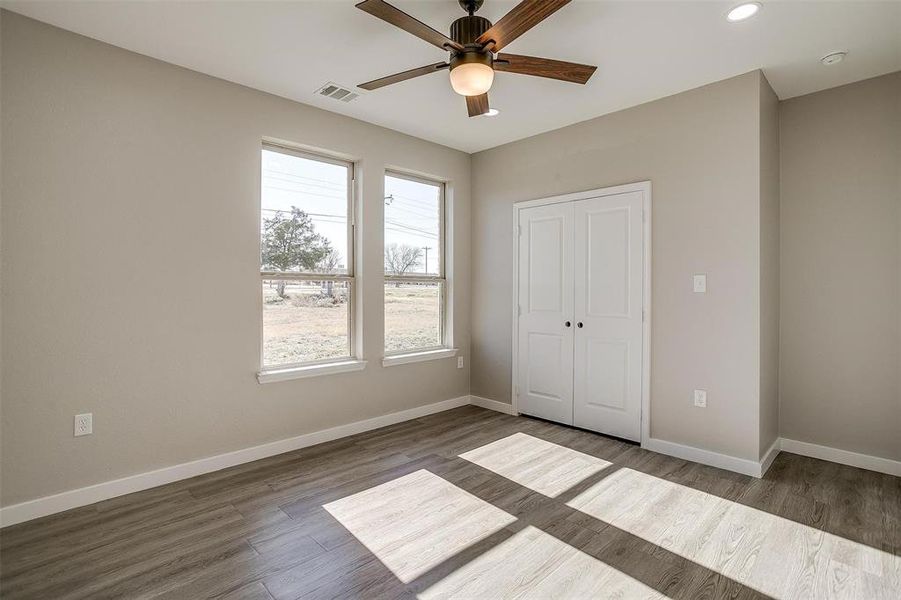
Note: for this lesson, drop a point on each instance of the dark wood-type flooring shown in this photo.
(258, 531)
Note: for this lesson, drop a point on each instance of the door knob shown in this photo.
(567, 323)
(579, 324)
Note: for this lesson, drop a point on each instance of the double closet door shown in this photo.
(579, 330)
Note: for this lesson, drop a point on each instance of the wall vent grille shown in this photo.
(336, 91)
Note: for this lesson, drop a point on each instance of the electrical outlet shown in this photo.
(84, 424)
(701, 398)
(459, 362)
(699, 283)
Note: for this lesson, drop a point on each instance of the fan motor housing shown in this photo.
(471, 6)
(466, 30)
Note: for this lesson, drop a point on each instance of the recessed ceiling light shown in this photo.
(492, 112)
(743, 11)
(833, 58)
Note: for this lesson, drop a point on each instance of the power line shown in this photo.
(277, 210)
(329, 181)
(401, 231)
(414, 229)
(305, 192)
(413, 212)
(420, 204)
(415, 200)
(294, 181)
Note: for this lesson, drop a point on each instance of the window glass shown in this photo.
(414, 264)
(304, 224)
(305, 259)
(413, 317)
(305, 321)
(412, 227)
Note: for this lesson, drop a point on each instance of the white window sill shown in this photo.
(414, 357)
(345, 366)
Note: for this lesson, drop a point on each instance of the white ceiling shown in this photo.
(644, 50)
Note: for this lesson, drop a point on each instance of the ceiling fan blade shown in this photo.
(524, 16)
(398, 18)
(544, 67)
(403, 76)
(477, 105)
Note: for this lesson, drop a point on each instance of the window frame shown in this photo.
(440, 278)
(349, 278)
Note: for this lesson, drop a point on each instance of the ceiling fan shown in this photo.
(474, 45)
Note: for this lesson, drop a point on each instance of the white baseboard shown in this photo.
(843, 457)
(759, 469)
(503, 407)
(705, 457)
(767, 461)
(48, 505)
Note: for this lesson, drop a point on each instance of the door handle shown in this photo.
(567, 323)
(579, 324)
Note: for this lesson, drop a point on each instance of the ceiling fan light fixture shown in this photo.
(472, 78)
(475, 47)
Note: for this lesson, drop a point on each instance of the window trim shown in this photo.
(310, 370)
(396, 357)
(338, 364)
(392, 360)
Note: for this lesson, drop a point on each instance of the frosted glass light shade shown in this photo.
(471, 79)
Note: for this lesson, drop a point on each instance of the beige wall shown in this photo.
(104, 149)
(700, 150)
(841, 267)
(769, 267)
(130, 259)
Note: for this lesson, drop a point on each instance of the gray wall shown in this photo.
(769, 267)
(130, 265)
(701, 151)
(841, 267)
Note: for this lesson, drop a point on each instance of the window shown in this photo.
(306, 258)
(414, 264)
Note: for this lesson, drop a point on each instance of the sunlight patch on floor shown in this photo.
(776, 556)
(539, 465)
(534, 564)
(415, 522)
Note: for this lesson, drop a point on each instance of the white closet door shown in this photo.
(608, 314)
(545, 353)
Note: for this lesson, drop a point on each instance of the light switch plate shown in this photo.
(701, 398)
(459, 362)
(700, 283)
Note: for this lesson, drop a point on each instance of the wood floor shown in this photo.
(471, 503)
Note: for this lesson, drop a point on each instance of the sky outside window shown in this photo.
(413, 218)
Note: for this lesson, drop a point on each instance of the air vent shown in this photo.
(336, 91)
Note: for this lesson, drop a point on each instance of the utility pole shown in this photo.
(426, 266)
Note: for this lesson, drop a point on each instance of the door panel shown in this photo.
(545, 365)
(545, 354)
(607, 268)
(607, 301)
(546, 263)
(607, 372)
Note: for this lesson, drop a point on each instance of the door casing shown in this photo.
(645, 188)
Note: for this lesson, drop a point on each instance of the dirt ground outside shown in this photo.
(309, 325)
